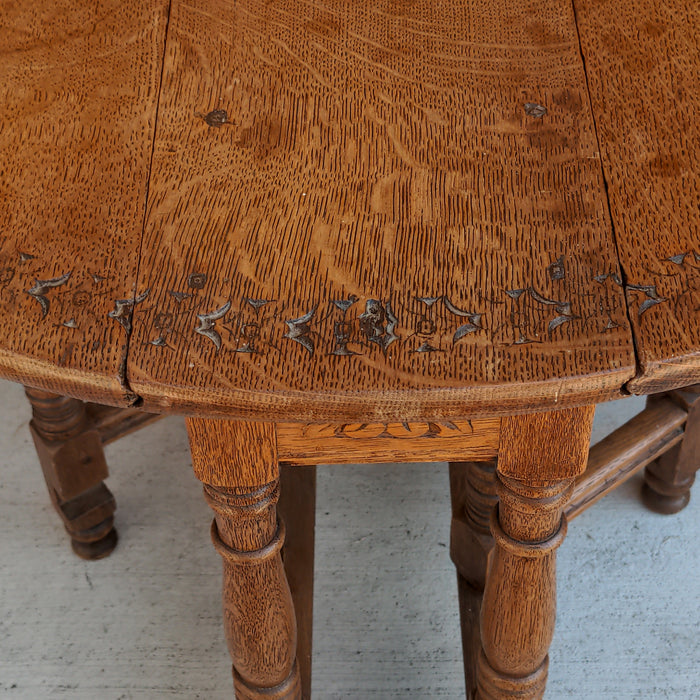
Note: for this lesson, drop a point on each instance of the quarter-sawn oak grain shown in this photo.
(385, 220)
(376, 211)
(642, 63)
(78, 97)
(427, 441)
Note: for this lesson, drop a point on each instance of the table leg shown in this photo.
(473, 492)
(72, 459)
(238, 464)
(667, 480)
(539, 457)
(297, 508)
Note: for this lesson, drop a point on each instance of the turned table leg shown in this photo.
(237, 462)
(667, 480)
(539, 457)
(72, 459)
(473, 492)
(297, 508)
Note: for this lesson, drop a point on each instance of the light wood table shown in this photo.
(357, 231)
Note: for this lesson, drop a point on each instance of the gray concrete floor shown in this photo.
(145, 623)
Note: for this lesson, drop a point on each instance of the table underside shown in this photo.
(350, 210)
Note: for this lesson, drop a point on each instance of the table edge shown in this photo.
(384, 405)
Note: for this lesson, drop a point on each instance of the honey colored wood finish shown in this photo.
(374, 230)
(71, 457)
(668, 480)
(646, 437)
(518, 611)
(227, 453)
(642, 62)
(518, 607)
(545, 446)
(241, 484)
(427, 441)
(374, 211)
(656, 432)
(78, 97)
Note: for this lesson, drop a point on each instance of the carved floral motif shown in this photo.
(348, 326)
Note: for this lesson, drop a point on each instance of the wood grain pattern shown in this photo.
(233, 453)
(258, 611)
(238, 466)
(71, 456)
(78, 96)
(545, 446)
(358, 211)
(519, 604)
(368, 443)
(667, 482)
(529, 524)
(626, 450)
(376, 210)
(642, 63)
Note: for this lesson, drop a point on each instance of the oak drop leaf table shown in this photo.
(374, 230)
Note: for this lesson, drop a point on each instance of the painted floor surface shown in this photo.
(145, 623)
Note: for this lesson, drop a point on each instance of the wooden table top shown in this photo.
(350, 210)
